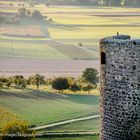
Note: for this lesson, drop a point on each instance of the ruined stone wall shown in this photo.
(120, 88)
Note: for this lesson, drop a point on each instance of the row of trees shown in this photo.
(90, 2)
(85, 2)
(23, 12)
(86, 82)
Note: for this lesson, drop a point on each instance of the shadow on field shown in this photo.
(30, 93)
(64, 26)
(15, 94)
(84, 99)
(43, 95)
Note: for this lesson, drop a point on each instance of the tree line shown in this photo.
(87, 81)
(134, 3)
(90, 2)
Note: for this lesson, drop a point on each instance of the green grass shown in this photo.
(40, 107)
(88, 125)
(29, 50)
(78, 24)
(72, 138)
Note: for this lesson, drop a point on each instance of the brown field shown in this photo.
(48, 68)
(20, 31)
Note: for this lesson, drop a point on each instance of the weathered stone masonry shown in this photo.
(120, 88)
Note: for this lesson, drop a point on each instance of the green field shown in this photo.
(72, 138)
(71, 26)
(88, 125)
(29, 50)
(40, 107)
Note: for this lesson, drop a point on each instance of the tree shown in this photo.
(36, 14)
(88, 87)
(90, 75)
(5, 81)
(60, 84)
(75, 88)
(1, 19)
(9, 82)
(36, 80)
(1, 84)
(22, 12)
(28, 13)
(19, 81)
(71, 80)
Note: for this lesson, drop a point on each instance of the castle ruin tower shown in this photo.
(120, 88)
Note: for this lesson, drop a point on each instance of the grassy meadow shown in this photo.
(71, 138)
(73, 34)
(40, 107)
(70, 26)
(88, 125)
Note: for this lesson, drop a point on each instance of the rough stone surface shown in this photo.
(120, 88)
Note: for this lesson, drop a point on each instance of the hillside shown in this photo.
(7, 117)
(41, 107)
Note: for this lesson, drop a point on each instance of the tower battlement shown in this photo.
(120, 88)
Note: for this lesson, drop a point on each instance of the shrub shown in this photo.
(75, 88)
(36, 80)
(1, 84)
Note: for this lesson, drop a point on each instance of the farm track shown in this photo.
(64, 122)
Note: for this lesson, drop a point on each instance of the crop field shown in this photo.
(40, 107)
(86, 25)
(49, 68)
(20, 31)
(29, 50)
(70, 27)
(63, 47)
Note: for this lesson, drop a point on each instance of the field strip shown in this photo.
(69, 133)
(64, 122)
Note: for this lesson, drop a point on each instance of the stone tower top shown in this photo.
(118, 41)
(116, 38)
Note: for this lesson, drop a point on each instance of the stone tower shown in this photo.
(120, 88)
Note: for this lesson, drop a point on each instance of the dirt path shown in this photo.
(65, 122)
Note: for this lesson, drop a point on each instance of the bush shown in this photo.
(1, 84)
(80, 44)
(88, 87)
(75, 88)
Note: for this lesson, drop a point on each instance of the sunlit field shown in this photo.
(63, 42)
(41, 107)
(73, 25)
